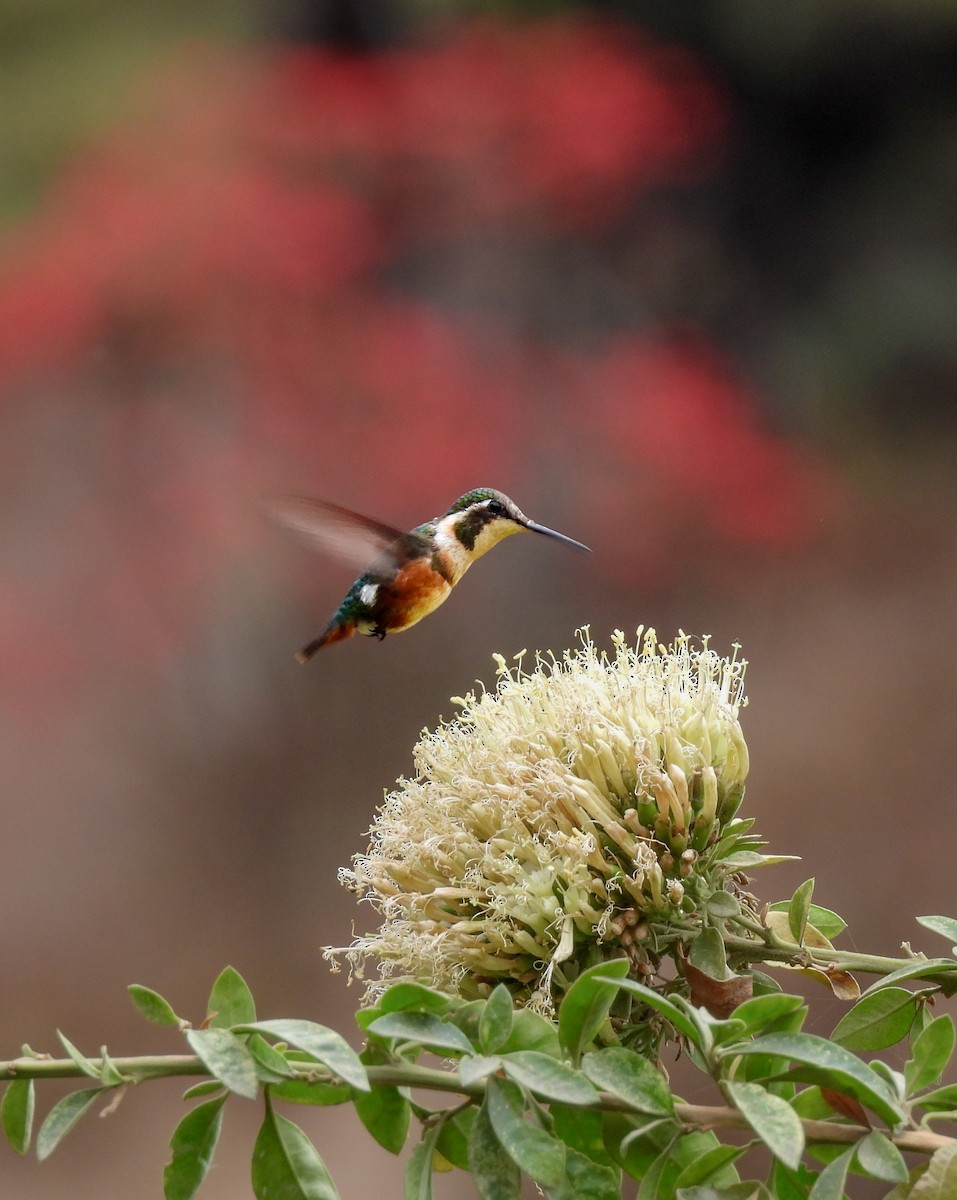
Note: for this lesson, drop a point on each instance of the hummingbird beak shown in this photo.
(536, 528)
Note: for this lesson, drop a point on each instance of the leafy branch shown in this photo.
(551, 1098)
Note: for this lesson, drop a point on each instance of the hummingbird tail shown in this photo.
(335, 633)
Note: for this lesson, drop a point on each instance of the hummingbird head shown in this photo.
(483, 517)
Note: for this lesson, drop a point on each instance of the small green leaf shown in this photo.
(493, 1169)
(425, 1029)
(62, 1117)
(830, 1183)
(798, 908)
(703, 1168)
(78, 1057)
(531, 1031)
(930, 1054)
(746, 1189)
(318, 1092)
(723, 904)
(650, 1187)
(206, 1088)
(418, 1169)
(537, 1153)
(548, 1078)
(877, 1020)
(759, 1012)
(286, 1165)
(934, 969)
(681, 1020)
(823, 920)
(476, 1067)
(495, 1023)
(230, 1002)
(878, 1155)
(581, 1129)
(272, 1066)
(942, 1099)
(403, 996)
(225, 1056)
(152, 1006)
(945, 926)
(586, 1179)
(324, 1045)
(939, 1181)
(16, 1113)
(586, 1004)
(707, 953)
(772, 1119)
(192, 1144)
(386, 1113)
(823, 1062)
(454, 1131)
(632, 1078)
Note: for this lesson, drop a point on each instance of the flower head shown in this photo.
(581, 809)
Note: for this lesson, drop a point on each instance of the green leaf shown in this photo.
(225, 1056)
(829, 1065)
(273, 1066)
(78, 1057)
(152, 1006)
(759, 1012)
(701, 1169)
(878, 1155)
(772, 1119)
(581, 1129)
(62, 1117)
(418, 1169)
(650, 1187)
(206, 1088)
(790, 1185)
(425, 1029)
(924, 968)
(877, 1020)
(286, 1165)
(318, 1092)
(708, 955)
(586, 1004)
(830, 1183)
(942, 1099)
(454, 1131)
(192, 1144)
(230, 1002)
(723, 904)
(587, 1180)
(747, 1189)
(495, 1023)
(386, 1113)
(939, 1181)
(945, 926)
(16, 1113)
(682, 1022)
(324, 1045)
(930, 1053)
(823, 920)
(531, 1031)
(798, 909)
(537, 1153)
(402, 996)
(493, 1169)
(632, 1078)
(477, 1067)
(548, 1078)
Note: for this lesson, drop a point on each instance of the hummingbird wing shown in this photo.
(346, 535)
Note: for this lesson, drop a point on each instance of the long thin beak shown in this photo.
(535, 528)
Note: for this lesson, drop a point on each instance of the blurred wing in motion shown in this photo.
(338, 531)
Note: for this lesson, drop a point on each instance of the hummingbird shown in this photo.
(406, 575)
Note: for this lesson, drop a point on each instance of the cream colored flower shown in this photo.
(570, 814)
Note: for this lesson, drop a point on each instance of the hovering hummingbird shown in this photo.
(406, 575)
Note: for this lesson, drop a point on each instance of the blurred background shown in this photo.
(680, 279)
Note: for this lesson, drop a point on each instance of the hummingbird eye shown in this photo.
(496, 508)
